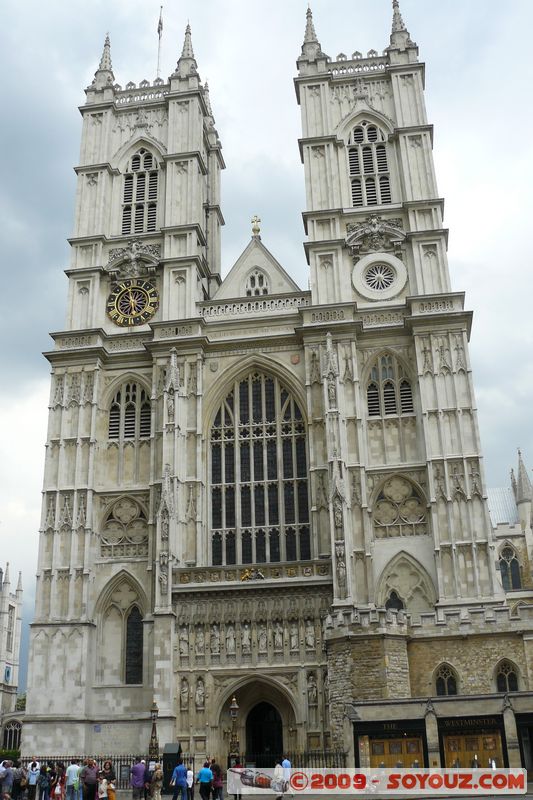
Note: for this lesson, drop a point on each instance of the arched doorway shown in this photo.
(264, 735)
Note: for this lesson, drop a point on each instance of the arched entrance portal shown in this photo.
(264, 735)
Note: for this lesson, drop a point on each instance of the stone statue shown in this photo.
(309, 635)
(184, 694)
(293, 635)
(278, 636)
(200, 641)
(184, 641)
(262, 638)
(215, 639)
(230, 640)
(245, 639)
(199, 697)
(312, 693)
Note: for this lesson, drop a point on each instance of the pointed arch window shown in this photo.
(139, 196)
(133, 648)
(445, 681)
(394, 602)
(506, 677)
(510, 569)
(12, 735)
(258, 476)
(130, 413)
(368, 165)
(388, 390)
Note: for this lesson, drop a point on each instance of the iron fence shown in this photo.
(121, 763)
(316, 759)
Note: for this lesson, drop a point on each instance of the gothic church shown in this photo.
(260, 491)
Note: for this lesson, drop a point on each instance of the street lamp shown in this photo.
(233, 740)
(153, 749)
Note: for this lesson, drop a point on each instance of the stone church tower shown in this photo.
(253, 490)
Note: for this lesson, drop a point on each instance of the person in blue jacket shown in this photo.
(205, 779)
(179, 780)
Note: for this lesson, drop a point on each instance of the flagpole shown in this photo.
(159, 32)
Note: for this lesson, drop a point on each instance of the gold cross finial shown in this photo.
(256, 228)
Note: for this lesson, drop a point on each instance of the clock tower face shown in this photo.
(132, 302)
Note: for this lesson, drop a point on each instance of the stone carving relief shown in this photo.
(136, 260)
(310, 642)
(375, 235)
(184, 641)
(314, 369)
(443, 356)
(230, 640)
(73, 389)
(215, 639)
(246, 642)
(199, 643)
(312, 689)
(125, 530)
(340, 567)
(184, 694)
(278, 635)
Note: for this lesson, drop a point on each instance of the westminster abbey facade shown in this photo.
(257, 491)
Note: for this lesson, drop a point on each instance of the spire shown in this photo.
(311, 49)
(105, 61)
(208, 99)
(397, 21)
(6, 574)
(399, 37)
(104, 74)
(19, 583)
(187, 63)
(523, 484)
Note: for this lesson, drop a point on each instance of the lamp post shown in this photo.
(233, 740)
(153, 749)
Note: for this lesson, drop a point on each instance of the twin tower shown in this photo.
(252, 489)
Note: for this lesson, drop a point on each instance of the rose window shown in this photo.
(379, 277)
(399, 510)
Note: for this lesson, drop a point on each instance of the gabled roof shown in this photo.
(255, 257)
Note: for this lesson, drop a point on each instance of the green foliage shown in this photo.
(9, 754)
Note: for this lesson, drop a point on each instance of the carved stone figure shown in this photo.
(215, 639)
(278, 636)
(230, 640)
(293, 635)
(312, 692)
(245, 639)
(309, 635)
(200, 641)
(199, 697)
(184, 641)
(337, 511)
(184, 694)
(262, 638)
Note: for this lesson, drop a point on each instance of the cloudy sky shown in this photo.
(479, 99)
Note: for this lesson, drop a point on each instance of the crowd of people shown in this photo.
(55, 780)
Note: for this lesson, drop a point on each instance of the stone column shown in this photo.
(511, 734)
(432, 736)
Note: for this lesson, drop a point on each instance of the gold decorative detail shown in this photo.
(132, 302)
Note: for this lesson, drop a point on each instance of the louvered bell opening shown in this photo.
(372, 399)
(353, 160)
(126, 219)
(152, 213)
(371, 195)
(129, 422)
(152, 186)
(114, 421)
(145, 424)
(128, 188)
(381, 158)
(357, 193)
(389, 398)
(384, 190)
(135, 163)
(141, 186)
(148, 161)
(139, 219)
(372, 133)
(368, 161)
(406, 397)
(358, 135)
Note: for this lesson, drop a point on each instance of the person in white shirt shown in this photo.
(73, 771)
(190, 783)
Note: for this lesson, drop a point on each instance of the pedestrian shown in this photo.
(179, 781)
(110, 776)
(43, 784)
(33, 773)
(205, 779)
(157, 782)
(190, 783)
(71, 784)
(286, 764)
(89, 779)
(7, 778)
(19, 780)
(147, 779)
(218, 785)
(102, 786)
(137, 779)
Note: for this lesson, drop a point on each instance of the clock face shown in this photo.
(132, 302)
